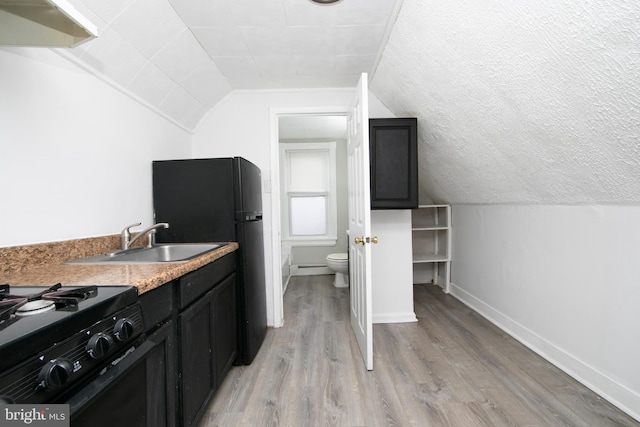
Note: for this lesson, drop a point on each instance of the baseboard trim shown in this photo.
(617, 394)
(394, 318)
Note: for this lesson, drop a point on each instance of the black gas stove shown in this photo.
(52, 339)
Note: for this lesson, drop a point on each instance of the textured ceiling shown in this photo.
(183, 56)
(519, 102)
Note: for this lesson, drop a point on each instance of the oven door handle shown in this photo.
(93, 389)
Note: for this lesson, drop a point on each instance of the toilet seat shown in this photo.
(338, 257)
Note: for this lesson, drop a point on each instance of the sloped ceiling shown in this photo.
(519, 102)
(181, 57)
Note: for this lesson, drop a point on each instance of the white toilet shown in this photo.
(339, 263)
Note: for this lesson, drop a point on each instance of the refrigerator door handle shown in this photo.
(246, 217)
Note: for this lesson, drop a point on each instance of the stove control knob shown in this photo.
(123, 329)
(99, 345)
(55, 373)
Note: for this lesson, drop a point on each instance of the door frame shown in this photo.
(276, 235)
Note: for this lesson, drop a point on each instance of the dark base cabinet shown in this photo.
(207, 336)
(192, 321)
(393, 150)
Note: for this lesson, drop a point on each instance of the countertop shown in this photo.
(145, 277)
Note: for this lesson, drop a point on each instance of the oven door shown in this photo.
(137, 391)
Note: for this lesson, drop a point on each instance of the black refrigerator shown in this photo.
(219, 200)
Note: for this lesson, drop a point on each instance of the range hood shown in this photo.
(43, 23)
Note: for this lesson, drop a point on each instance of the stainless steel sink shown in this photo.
(174, 252)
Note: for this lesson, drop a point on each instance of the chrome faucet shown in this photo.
(127, 241)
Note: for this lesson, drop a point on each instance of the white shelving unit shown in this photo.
(431, 242)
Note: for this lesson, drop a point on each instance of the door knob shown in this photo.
(362, 240)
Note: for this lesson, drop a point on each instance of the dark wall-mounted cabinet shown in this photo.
(394, 163)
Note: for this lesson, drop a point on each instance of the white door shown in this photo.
(360, 222)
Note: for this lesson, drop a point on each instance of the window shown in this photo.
(308, 180)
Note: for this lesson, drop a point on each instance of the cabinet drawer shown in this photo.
(195, 284)
(157, 305)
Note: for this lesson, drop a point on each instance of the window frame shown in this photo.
(330, 237)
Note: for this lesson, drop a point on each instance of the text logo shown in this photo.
(34, 415)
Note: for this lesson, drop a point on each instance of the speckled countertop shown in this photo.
(145, 277)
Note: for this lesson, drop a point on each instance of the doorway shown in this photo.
(359, 216)
(306, 126)
(313, 166)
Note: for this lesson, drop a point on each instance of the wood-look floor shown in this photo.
(451, 368)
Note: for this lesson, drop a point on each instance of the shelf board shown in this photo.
(426, 258)
(430, 228)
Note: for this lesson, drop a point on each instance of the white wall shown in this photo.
(562, 279)
(75, 154)
(240, 125)
(391, 267)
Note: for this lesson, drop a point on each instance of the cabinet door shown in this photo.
(161, 385)
(224, 327)
(197, 380)
(394, 163)
(208, 347)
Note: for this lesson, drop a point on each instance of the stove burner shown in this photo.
(40, 302)
(35, 307)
